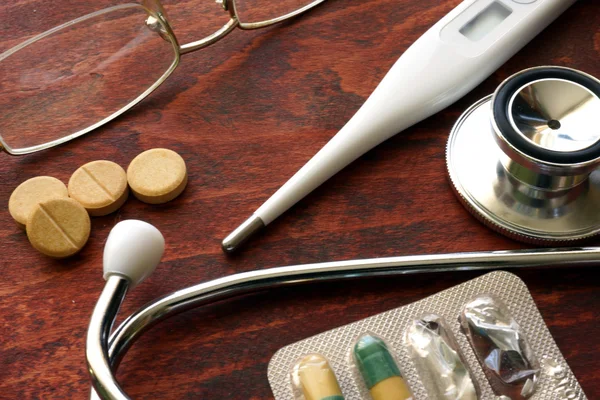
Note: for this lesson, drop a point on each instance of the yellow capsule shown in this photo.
(315, 379)
(392, 388)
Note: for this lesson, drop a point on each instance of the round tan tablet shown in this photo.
(59, 227)
(31, 192)
(99, 186)
(157, 176)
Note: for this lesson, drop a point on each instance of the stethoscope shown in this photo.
(133, 249)
(523, 161)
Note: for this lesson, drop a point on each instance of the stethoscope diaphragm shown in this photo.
(525, 160)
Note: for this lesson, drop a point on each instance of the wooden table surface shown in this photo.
(245, 114)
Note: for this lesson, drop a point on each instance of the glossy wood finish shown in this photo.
(246, 114)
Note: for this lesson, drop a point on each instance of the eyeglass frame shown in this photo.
(158, 21)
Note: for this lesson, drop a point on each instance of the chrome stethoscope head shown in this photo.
(525, 160)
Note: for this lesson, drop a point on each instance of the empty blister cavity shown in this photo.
(501, 347)
(314, 379)
(439, 363)
(378, 369)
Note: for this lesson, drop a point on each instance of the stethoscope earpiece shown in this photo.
(524, 160)
(133, 250)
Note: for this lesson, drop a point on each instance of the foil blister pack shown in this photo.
(484, 339)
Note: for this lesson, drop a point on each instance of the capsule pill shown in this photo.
(316, 379)
(379, 370)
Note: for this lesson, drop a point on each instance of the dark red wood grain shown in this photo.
(245, 114)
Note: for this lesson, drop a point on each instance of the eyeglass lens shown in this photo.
(80, 74)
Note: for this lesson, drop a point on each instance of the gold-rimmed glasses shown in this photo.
(82, 74)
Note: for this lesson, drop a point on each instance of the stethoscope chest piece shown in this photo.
(525, 160)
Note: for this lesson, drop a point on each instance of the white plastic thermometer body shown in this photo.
(448, 61)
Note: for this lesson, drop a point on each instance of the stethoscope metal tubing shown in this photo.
(96, 348)
(248, 282)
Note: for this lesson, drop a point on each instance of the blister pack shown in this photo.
(484, 339)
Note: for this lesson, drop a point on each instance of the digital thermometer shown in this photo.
(448, 61)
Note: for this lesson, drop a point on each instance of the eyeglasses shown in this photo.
(80, 75)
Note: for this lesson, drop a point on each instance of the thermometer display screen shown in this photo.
(485, 21)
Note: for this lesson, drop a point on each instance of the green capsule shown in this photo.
(379, 370)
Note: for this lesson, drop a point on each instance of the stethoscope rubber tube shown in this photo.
(501, 111)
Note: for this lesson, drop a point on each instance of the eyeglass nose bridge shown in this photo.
(207, 41)
(227, 5)
(163, 27)
(234, 21)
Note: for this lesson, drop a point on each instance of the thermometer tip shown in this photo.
(242, 233)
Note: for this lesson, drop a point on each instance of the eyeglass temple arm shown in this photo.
(264, 24)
